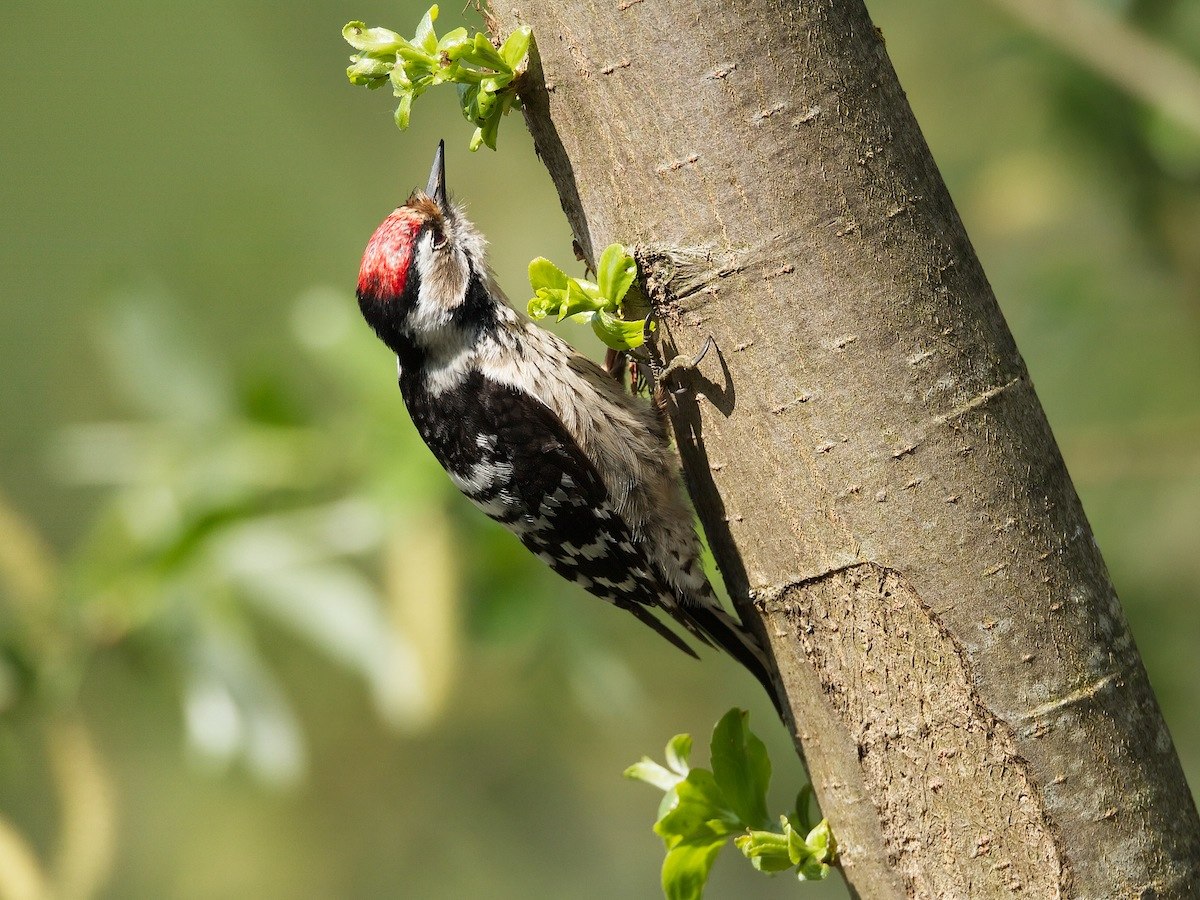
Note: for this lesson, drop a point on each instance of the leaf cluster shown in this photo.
(484, 75)
(599, 302)
(701, 810)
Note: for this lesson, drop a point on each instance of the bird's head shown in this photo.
(424, 271)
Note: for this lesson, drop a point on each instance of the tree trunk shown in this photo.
(866, 451)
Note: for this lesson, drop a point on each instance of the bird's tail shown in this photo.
(732, 637)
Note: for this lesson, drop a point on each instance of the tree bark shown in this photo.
(866, 451)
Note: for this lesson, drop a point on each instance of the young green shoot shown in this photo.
(486, 76)
(701, 810)
(599, 302)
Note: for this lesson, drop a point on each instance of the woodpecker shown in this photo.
(536, 435)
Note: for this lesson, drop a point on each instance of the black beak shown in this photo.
(436, 189)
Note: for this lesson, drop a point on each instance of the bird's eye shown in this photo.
(438, 240)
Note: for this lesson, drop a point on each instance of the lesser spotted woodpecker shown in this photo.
(537, 436)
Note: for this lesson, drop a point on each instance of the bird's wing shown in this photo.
(530, 475)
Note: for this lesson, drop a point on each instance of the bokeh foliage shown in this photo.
(251, 644)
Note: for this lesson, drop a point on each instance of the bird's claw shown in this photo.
(683, 364)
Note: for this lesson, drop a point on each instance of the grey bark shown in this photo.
(866, 451)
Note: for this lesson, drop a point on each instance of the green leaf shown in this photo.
(515, 46)
(813, 853)
(577, 301)
(401, 83)
(592, 291)
(404, 109)
(545, 274)
(700, 812)
(766, 850)
(615, 273)
(798, 849)
(453, 41)
(582, 300)
(652, 773)
(417, 62)
(820, 841)
(468, 100)
(372, 40)
(741, 767)
(485, 93)
(618, 333)
(686, 867)
(547, 301)
(679, 748)
(460, 76)
(482, 53)
(489, 129)
(426, 38)
(811, 870)
(804, 801)
(445, 75)
(485, 105)
(367, 70)
(495, 83)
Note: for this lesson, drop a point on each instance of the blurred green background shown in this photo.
(253, 645)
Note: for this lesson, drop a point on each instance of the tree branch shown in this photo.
(866, 451)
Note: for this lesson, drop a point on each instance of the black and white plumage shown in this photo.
(537, 436)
